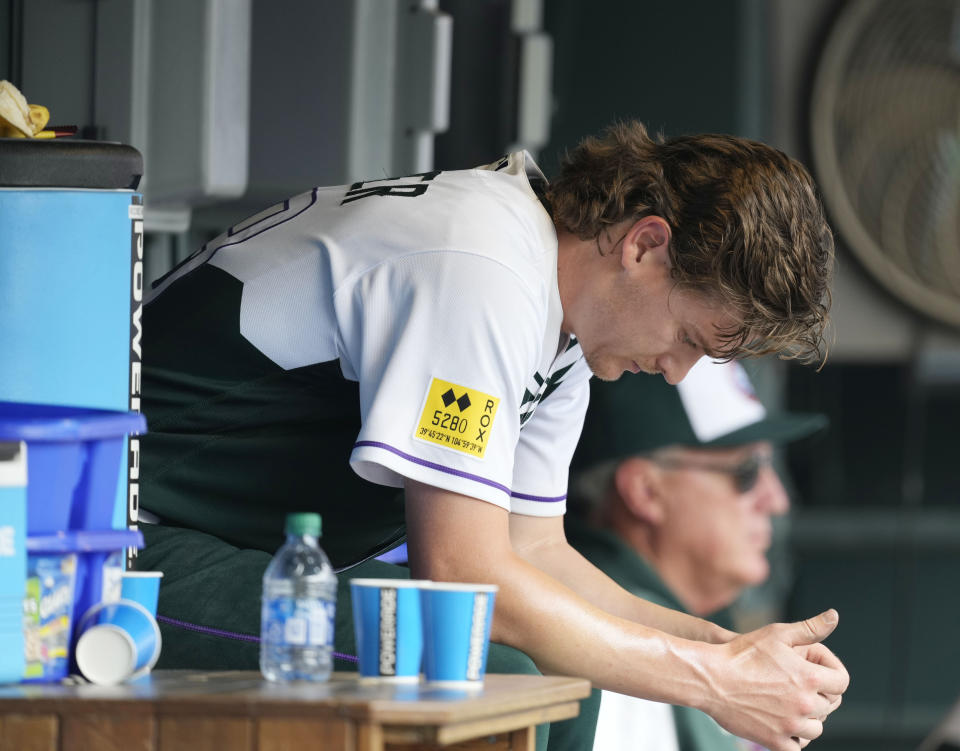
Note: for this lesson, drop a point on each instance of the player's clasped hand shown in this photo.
(779, 683)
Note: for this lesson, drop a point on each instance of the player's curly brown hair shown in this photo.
(747, 226)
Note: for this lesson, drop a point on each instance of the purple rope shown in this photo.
(231, 634)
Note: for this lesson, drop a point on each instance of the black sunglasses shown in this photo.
(744, 474)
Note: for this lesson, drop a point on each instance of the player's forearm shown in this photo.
(554, 556)
(676, 623)
(564, 634)
(454, 538)
(564, 563)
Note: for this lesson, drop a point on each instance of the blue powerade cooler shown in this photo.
(71, 290)
(71, 278)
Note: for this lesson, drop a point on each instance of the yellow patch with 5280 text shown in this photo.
(457, 417)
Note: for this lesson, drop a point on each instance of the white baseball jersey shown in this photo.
(408, 328)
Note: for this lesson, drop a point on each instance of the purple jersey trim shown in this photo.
(231, 634)
(433, 465)
(539, 498)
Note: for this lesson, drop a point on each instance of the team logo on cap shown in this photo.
(718, 398)
(741, 380)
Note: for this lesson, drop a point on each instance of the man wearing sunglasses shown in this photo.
(675, 494)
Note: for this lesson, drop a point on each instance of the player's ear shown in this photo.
(648, 238)
(638, 483)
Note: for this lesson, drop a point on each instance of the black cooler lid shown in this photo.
(68, 163)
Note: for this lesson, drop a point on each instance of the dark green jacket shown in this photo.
(696, 731)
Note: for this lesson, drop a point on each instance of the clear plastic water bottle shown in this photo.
(299, 604)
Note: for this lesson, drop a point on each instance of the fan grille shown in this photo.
(886, 144)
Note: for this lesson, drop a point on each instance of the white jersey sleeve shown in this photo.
(546, 446)
(441, 342)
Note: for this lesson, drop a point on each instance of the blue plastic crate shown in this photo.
(73, 462)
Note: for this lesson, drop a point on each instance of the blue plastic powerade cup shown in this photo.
(388, 629)
(456, 632)
(119, 641)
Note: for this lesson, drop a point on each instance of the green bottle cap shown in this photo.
(303, 523)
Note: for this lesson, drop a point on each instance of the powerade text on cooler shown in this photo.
(299, 603)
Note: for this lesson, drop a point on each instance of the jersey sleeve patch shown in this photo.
(457, 418)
